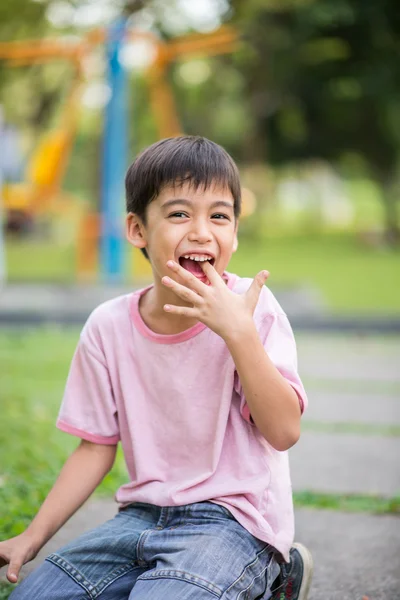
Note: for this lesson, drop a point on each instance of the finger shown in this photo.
(213, 276)
(182, 291)
(254, 290)
(185, 311)
(13, 570)
(191, 280)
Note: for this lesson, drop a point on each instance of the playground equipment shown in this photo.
(42, 189)
(46, 168)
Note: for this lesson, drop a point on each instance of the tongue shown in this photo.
(192, 266)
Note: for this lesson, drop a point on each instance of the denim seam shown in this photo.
(114, 575)
(164, 517)
(246, 569)
(254, 578)
(140, 545)
(182, 575)
(93, 590)
(72, 572)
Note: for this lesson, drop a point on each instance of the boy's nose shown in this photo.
(200, 233)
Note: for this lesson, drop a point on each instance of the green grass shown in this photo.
(348, 502)
(350, 276)
(352, 428)
(5, 590)
(33, 260)
(34, 369)
(351, 385)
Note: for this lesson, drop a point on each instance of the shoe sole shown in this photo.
(308, 566)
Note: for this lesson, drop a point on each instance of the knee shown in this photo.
(48, 582)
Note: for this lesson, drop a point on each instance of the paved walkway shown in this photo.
(67, 303)
(24, 304)
(353, 383)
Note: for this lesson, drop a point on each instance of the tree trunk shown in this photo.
(391, 194)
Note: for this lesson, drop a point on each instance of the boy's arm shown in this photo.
(273, 403)
(81, 474)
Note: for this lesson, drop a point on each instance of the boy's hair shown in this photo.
(176, 161)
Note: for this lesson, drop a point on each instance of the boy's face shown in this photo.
(182, 222)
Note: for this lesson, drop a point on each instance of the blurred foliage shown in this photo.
(20, 19)
(30, 467)
(322, 81)
(348, 502)
(5, 590)
(36, 88)
(312, 80)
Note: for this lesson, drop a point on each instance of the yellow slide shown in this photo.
(43, 174)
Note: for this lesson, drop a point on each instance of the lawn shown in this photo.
(350, 276)
(34, 366)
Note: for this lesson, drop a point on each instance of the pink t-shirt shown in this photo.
(176, 404)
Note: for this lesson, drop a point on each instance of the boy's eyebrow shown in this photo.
(186, 202)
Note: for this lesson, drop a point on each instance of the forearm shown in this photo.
(79, 477)
(273, 403)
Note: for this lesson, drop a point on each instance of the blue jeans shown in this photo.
(193, 552)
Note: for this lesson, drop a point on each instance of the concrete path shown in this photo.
(355, 555)
(24, 304)
(346, 464)
(352, 382)
(77, 301)
(365, 407)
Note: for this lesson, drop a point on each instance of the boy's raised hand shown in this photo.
(215, 305)
(15, 552)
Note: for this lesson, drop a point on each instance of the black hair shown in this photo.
(176, 161)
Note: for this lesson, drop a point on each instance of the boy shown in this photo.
(196, 376)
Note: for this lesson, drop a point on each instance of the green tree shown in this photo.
(323, 82)
(28, 93)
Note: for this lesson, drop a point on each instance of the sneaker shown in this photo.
(294, 580)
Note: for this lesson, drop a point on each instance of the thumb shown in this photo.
(14, 569)
(254, 291)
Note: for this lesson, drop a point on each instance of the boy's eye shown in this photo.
(178, 214)
(220, 216)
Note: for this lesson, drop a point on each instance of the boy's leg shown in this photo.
(48, 582)
(101, 563)
(54, 583)
(200, 552)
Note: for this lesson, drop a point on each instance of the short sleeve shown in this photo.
(88, 409)
(278, 340)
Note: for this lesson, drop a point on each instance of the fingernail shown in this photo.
(167, 307)
(166, 280)
(170, 263)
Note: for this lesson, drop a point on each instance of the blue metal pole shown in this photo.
(115, 145)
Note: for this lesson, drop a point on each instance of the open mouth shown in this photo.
(193, 262)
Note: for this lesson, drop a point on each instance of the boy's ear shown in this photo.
(135, 231)
(235, 240)
(235, 243)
